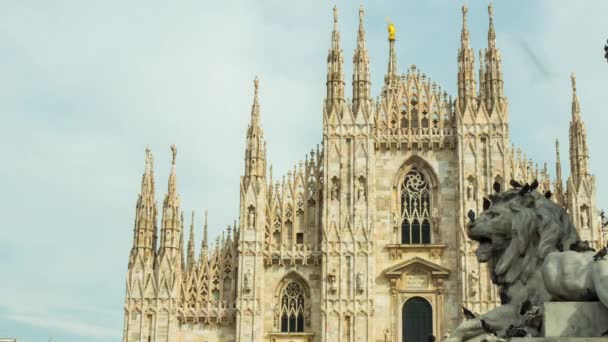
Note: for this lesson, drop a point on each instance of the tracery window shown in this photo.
(292, 308)
(415, 209)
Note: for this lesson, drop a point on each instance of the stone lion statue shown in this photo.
(532, 250)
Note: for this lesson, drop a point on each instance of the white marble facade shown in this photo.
(368, 228)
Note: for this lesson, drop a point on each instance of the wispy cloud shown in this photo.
(67, 325)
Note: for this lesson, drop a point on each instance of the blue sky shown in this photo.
(85, 86)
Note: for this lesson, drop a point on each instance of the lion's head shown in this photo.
(517, 229)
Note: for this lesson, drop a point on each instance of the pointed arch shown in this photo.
(415, 187)
(292, 298)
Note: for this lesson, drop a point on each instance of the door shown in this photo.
(417, 320)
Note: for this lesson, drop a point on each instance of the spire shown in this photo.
(205, 242)
(255, 151)
(576, 108)
(579, 151)
(181, 241)
(171, 223)
(559, 187)
(494, 92)
(466, 66)
(482, 90)
(491, 31)
(255, 107)
(335, 62)
(361, 74)
(146, 211)
(391, 78)
(191, 262)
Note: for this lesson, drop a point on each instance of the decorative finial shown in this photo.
(465, 10)
(361, 12)
(491, 11)
(573, 77)
(256, 85)
(174, 151)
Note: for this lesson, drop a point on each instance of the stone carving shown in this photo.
(387, 335)
(334, 188)
(359, 282)
(584, 218)
(473, 282)
(247, 281)
(526, 239)
(361, 189)
(251, 217)
(470, 188)
(331, 279)
(435, 219)
(396, 219)
(307, 314)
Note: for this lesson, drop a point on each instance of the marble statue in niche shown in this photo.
(334, 188)
(359, 282)
(361, 189)
(251, 217)
(247, 281)
(473, 282)
(435, 219)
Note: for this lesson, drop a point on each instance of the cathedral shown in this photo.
(365, 239)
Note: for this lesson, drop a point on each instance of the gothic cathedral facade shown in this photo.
(365, 240)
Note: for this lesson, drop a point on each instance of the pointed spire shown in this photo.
(205, 243)
(579, 150)
(255, 151)
(576, 108)
(255, 107)
(144, 239)
(391, 78)
(494, 92)
(559, 187)
(466, 67)
(361, 73)
(335, 72)
(171, 224)
(491, 30)
(482, 90)
(191, 262)
(181, 241)
(464, 33)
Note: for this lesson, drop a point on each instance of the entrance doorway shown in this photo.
(416, 320)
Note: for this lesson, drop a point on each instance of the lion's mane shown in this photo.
(538, 227)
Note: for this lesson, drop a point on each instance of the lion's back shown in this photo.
(567, 275)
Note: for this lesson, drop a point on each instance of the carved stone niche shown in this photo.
(417, 274)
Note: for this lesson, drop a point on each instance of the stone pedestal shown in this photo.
(569, 322)
(575, 319)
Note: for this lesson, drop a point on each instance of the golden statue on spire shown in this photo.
(391, 30)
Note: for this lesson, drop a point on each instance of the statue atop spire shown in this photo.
(491, 30)
(335, 17)
(465, 30)
(391, 78)
(391, 32)
(576, 109)
(174, 153)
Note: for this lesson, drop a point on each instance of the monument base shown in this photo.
(568, 322)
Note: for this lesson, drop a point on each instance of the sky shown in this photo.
(85, 86)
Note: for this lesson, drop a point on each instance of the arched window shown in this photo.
(292, 308)
(415, 209)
